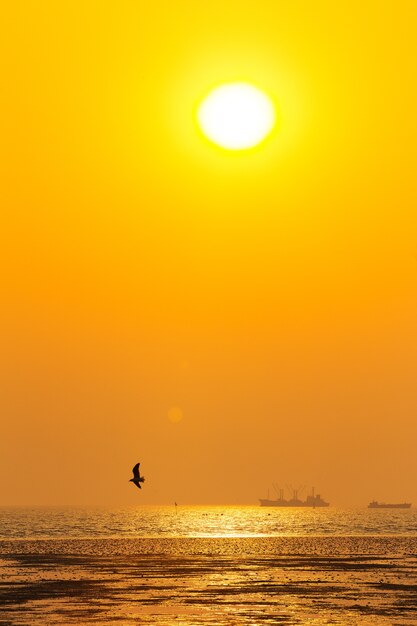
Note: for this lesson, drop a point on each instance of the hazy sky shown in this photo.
(268, 299)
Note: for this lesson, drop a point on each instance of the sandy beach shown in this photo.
(314, 580)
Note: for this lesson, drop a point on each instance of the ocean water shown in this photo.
(207, 565)
(200, 521)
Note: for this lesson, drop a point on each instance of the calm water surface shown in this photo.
(200, 566)
(200, 521)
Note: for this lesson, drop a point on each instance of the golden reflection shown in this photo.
(212, 581)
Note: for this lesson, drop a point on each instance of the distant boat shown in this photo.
(383, 505)
(312, 501)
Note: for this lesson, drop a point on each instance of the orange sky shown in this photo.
(270, 295)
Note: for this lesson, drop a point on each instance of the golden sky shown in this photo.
(228, 319)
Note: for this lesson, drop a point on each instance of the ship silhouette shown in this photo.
(386, 505)
(314, 500)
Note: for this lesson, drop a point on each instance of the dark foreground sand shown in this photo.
(287, 580)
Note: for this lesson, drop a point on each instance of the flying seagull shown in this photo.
(137, 478)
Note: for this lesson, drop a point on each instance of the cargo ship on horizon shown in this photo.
(386, 505)
(312, 501)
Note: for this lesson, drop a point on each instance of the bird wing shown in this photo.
(137, 483)
(135, 471)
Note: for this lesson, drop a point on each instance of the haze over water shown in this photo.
(236, 319)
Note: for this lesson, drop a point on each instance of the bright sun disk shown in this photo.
(236, 116)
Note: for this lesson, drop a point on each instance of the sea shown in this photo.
(218, 565)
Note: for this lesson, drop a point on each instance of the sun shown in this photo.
(236, 116)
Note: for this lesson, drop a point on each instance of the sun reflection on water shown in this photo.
(287, 580)
(208, 565)
(200, 521)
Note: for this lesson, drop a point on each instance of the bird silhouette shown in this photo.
(137, 478)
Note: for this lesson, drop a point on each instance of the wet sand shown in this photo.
(288, 580)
